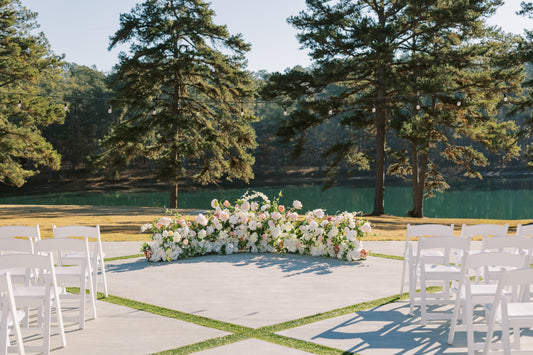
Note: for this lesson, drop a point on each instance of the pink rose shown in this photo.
(224, 216)
(246, 206)
(158, 225)
(281, 208)
(214, 203)
(276, 216)
(226, 203)
(182, 222)
(254, 206)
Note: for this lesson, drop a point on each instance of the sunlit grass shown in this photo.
(124, 223)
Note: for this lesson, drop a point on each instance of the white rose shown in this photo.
(297, 204)
(366, 228)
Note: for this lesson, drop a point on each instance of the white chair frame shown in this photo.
(74, 272)
(96, 255)
(410, 257)
(10, 317)
(473, 291)
(438, 268)
(42, 294)
(515, 312)
(484, 229)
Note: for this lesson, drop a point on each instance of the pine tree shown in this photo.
(184, 87)
(366, 49)
(26, 62)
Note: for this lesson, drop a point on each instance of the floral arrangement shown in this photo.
(257, 225)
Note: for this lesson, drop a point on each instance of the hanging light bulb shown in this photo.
(417, 106)
(242, 112)
(65, 108)
(285, 112)
(19, 105)
(505, 98)
(330, 112)
(109, 109)
(374, 109)
(154, 112)
(197, 113)
(458, 103)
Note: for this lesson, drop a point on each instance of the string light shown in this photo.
(505, 98)
(154, 112)
(330, 112)
(459, 103)
(109, 109)
(19, 105)
(374, 109)
(197, 113)
(65, 108)
(417, 106)
(285, 113)
(242, 111)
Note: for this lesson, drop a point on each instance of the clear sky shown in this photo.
(80, 29)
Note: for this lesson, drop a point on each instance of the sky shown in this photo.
(80, 29)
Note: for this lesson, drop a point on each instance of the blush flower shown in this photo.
(297, 204)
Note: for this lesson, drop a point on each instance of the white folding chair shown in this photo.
(514, 244)
(442, 269)
(10, 317)
(76, 272)
(514, 310)
(96, 254)
(473, 291)
(41, 293)
(409, 260)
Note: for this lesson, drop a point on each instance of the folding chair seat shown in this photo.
(510, 309)
(74, 272)
(96, 254)
(442, 269)
(414, 234)
(10, 317)
(473, 291)
(41, 293)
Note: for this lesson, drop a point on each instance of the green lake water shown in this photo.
(489, 198)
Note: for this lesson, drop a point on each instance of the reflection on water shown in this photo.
(489, 198)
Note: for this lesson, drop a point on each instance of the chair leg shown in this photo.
(468, 318)
(423, 300)
(455, 319)
(403, 276)
(105, 278)
(412, 290)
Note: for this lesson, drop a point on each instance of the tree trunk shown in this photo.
(173, 195)
(379, 191)
(419, 166)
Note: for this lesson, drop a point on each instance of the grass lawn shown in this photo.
(124, 223)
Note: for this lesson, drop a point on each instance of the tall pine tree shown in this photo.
(365, 48)
(184, 86)
(26, 62)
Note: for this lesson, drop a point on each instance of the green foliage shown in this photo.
(375, 60)
(25, 63)
(182, 88)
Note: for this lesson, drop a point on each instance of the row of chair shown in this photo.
(37, 272)
(488, 277)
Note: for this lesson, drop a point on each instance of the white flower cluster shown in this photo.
(257, 227)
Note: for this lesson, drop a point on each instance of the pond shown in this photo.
(494, 198)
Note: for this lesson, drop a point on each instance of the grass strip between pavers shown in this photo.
(241, 332)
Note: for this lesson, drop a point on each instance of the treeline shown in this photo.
(414, 89)
(91, 115)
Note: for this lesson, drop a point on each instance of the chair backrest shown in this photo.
(526, 231)
(42, 264)
(484, 229)
(423, 230)
(519, 278)
(480, 263)
(504, 243)
(446, 244)
(60, 246)
(8, 309)
(31, 232)
(16, 246)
